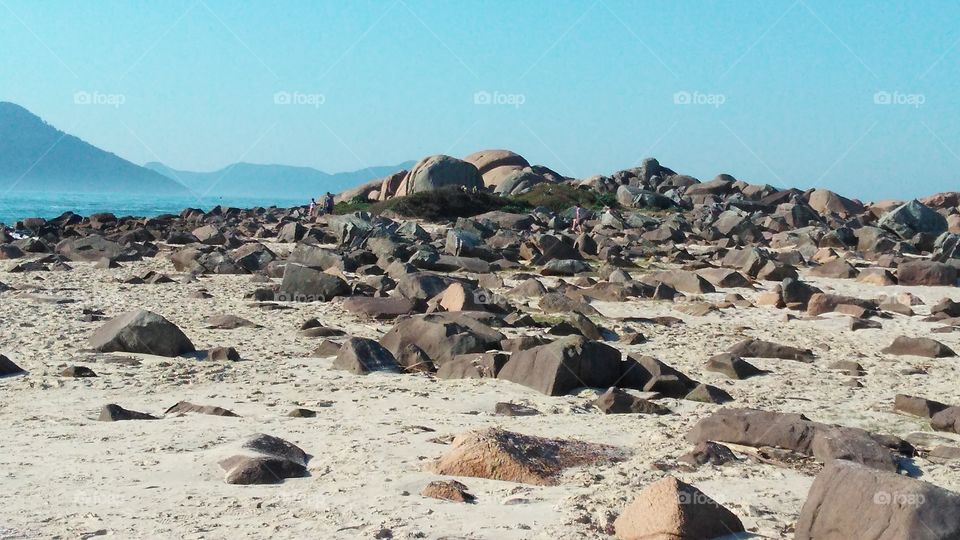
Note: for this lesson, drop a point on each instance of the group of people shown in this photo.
(326, 208)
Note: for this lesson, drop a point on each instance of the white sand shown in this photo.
(67, 475)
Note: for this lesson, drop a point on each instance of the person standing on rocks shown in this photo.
(577, 218)
(328, 203)
(312, 210)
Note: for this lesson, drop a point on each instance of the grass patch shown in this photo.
(561, 197)
(443, 204)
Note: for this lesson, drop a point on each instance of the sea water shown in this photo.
(20, 205)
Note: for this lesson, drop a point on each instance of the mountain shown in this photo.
(252, 180)
(35, 156)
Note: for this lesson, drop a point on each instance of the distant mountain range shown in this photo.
(251, 180)
(35, 156)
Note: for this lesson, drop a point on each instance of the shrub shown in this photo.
(449, 202)
(560, 197)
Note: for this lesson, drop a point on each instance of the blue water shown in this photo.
(17, 206)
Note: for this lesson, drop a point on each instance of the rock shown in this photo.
(514, 409)
(302, 413)
(449, 490)
(473, 366)
(837, 268)
(911, 218)
(380, 308)
(115, 413)
(755, 348)
(732, 366)
(559, 367)
(821, 303)
(724, 277)
(926, 347)
(326, 349)
(361, 356)
(7, 367)
(708, 452)
(877, 276)
(93, 248)
(616, 401)
(826, 202)
(141, 332)
(438, 171)
(442, 336)
(848, 500)
(495, 166)
(423, 285)
(917, 406)
(564, 267)
(265, 459)
(927, 273)
(228, 322)
(78, 371)
(672, 509)
(946, 420)
(794, 432)
(310, 284)
(185, 407)
(222, 354)
(706, 393)
(797, 294)
(496, 454)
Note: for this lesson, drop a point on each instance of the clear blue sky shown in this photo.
(592, 84)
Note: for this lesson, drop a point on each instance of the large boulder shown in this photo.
(919, 346)
(265, 459)
(559, 367)
(310, 284)
(670, 509)
(438, 171)
(361, 356)
(94, 248)
(496, 165)
(911, 218)
(848, 500)
(442, 336)
(797, 433)
(141, 332)
(927, 273)
(826, 202)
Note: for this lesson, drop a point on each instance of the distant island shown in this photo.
(251, 180)
(37, 157)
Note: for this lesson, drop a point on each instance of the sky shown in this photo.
(859, 97)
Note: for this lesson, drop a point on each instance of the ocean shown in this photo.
(17, 206)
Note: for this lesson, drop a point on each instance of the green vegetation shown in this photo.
(560, 197)
(452, 202)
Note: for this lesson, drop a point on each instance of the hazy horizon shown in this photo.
(856, 97)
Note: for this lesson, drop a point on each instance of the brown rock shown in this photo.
(672, 509)
(449, 490)
(930, 348)
(513, 457)
(848, 500)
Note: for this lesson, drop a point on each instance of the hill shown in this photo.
(35, 156)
